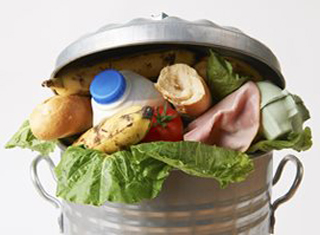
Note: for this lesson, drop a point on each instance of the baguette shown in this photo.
(61, 116)
(181, 85)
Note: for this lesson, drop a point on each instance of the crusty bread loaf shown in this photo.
(185, 89)
(61, 116)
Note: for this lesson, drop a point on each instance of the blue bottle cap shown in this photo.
(108, 86)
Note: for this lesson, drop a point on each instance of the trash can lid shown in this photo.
(169, 30)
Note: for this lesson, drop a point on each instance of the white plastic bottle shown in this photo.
(113, 91)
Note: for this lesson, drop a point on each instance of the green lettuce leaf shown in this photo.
(24, 138)
(299, 141)
(89, 176)
(92, 177)
(221, 78)
(195, 158)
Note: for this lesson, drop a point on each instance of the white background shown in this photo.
(33, 32)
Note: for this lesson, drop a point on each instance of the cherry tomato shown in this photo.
(166, 125)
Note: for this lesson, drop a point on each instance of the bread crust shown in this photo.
(193, 109)
(61, 116)
(199, 107)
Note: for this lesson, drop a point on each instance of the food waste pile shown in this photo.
(125, 123)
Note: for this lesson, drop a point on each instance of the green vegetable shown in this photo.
(221, 78)
(89, 176)
(305, 114)
(194, 158)
(24, 138)
(299, 141)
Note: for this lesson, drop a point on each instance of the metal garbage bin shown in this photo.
(186, 204)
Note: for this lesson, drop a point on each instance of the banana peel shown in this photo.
(238, 66)
(120, 131)
(77, 80)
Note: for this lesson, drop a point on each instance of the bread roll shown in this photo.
(185, 89)
(61, 116)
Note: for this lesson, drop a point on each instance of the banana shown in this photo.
(244, 68)
(77, 79)
(239, 66)
(201, 67)
(121, 130)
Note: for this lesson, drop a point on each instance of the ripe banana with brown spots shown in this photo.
(120, 131)
(76, 80)
(238, 66)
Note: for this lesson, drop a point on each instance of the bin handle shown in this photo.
(40, 189)
(293, 188)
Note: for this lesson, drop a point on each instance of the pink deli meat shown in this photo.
(232, 123)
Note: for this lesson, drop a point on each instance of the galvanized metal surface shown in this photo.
(186, 205)
(40, 189)
(168, 30)
(294, 187)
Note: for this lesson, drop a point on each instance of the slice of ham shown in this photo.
(232, 123)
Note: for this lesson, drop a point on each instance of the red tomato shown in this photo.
(166, 125)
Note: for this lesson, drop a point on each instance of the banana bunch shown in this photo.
(125, 128)
(77, 79)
